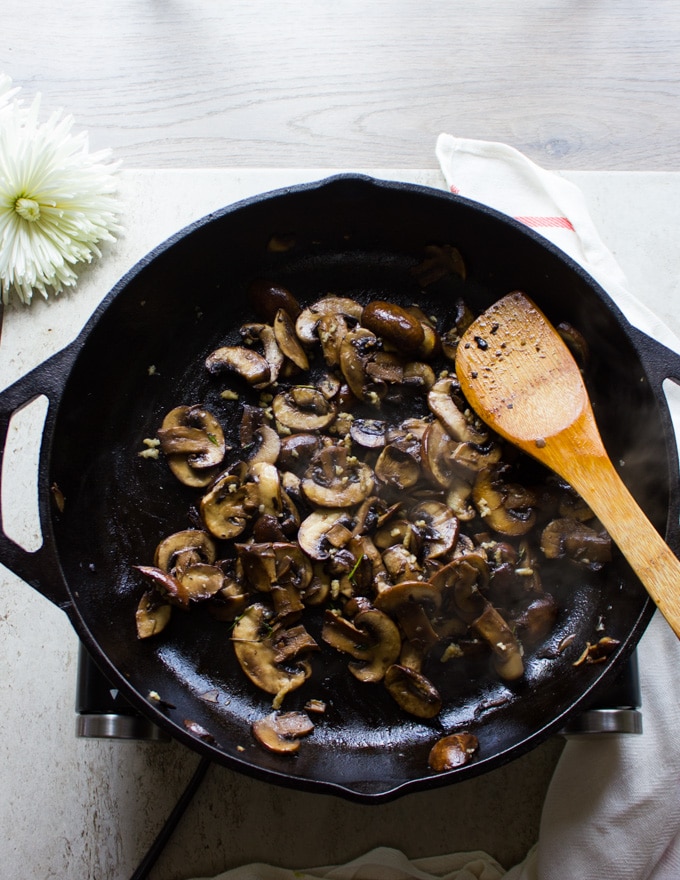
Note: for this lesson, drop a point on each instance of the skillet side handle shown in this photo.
(661, 364)
(40, 568)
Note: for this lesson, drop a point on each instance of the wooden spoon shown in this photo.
(520, 378)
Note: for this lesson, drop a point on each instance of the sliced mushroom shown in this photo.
(248, 363)
(506, 649)
(462, 584)
(280, 732)
(266, 335)
(571, 539)
(413, 604)
(397, 467)
(228, 506)
(356, 352)
(461, 424)
(536, 620)
(268, 297)
(308, 320)
(413, 692)
(383, 646)
(335, 480)
(303, 408)
(438, 526)
(254, 649)
(331, 330)
(266, 476)
(192, 545)
(315, 535)
(193, 442)
(286, 337)
(297, 450)
(266, 446)
(452, 751)
(152, 616)
(507, 508)
(369, 433)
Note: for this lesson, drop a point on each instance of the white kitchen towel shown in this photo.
(613, 806)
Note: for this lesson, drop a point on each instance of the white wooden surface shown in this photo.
(582, 84)
(218, 84)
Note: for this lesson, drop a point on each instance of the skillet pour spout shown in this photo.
(368, 240)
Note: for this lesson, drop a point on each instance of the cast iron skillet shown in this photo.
(359, 237)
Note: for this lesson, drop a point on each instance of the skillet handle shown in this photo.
(39, 568)
(662, 363)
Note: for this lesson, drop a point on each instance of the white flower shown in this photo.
(57, 200)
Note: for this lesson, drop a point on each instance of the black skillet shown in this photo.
(142, 354)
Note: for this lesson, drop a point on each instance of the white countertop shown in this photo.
(90, 808)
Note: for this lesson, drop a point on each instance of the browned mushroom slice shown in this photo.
(506, 649)
(470, 458)
(280, 732)
(307, 322)
(394, 324)
(266, 336)
(413, 692)
(248, 363)
(598, 652)
(323, 530)
(438, 526)
(341, 634)
(536, 620)
(397, 467)
(401, 564)
(303, 408)
(507, 508)
(384, 645)
(192, 545)
(268, 297)
(201, 581)
(461, 424)
(193, 442)
(228, 505)
(571, 539)
(152, 616)
(170, 587)
(297, 450)
(438, 450)
(358, 349)
(277, 563)
(461, 583)
(255, 652)
(414, 604)
(452, 751)
(369, 433)
(266, 445)
(459, 499)
(288, 342)
(331, 330)
(335, 479)
(420, 375)
(266, 477)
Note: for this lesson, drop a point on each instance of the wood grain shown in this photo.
(202, 83)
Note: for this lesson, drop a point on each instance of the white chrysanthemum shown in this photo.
(57, 200)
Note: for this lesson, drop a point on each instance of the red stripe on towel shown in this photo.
(555, 222)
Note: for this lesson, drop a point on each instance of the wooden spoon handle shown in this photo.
(596, 480)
